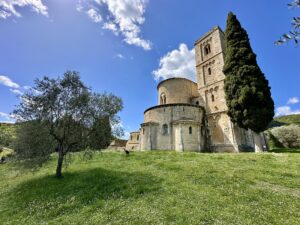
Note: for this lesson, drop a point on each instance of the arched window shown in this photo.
(190, 130)
(130, 137)
(137, 137)
(212, 98)
(209, 71)
(197, 102)
(207, 49)
(163, 99)
(143, 130)
(165, 129)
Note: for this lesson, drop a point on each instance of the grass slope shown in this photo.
(285, 120)
(156, 188)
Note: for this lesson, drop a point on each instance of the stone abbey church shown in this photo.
(193, 116)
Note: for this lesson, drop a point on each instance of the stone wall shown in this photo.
(193, 116)
(173, 126)
(223, 134)
(177, 90)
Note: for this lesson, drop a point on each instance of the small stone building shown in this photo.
(134, 141)
(193, 116)
(117, 144)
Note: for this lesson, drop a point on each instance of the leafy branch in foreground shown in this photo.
(294, 34)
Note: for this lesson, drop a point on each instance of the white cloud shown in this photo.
(7, 117)
(177, 63)
(8, 7)
(8, 82)
(124, 17)
(286, 110)
(293, 100)
(16, 91)
(120, 56)
(112, 27)
(94, 15)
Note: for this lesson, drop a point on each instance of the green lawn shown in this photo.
(156, 188)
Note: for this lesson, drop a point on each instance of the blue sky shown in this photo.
(126, 46)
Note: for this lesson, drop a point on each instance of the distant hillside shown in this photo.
(285, 120)
(290, 119)
(6, 124)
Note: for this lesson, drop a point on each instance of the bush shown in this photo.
(288, 136)
(273, 141)
(7, 135)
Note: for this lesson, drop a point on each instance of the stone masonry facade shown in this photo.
(193, 116)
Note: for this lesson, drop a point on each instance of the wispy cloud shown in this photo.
(5, 117)
(124, 17)
(6, 81)
(177, 63)
(286, 110)
(94, 15)
(293, 100)
(16, 91)
(8, 8)
(120, 56)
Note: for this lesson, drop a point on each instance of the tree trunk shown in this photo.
(59, 164)
(258, 143)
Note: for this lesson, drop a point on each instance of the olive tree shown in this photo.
(293, 34)
(69, 112)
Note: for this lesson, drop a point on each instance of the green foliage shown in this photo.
(68, 111)
(156, 188)
(5, 153)
(294, 34)
(273, 141)
(288, 136)
(289, 119)
(7, 134)
(285, 120)
(248, 95)
(101, 134)
(33, 141)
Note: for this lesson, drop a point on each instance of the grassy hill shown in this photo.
(285, 120)
(290, 119)
(156, 188)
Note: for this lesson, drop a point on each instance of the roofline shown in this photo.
(208, 33)
(133, 132)
(175, 78)
(174, 104)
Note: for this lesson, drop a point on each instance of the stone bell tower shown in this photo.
(223, 134)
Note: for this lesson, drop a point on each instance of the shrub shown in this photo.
(288, 136)
(273, 141)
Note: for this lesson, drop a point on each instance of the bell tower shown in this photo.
(209, 56)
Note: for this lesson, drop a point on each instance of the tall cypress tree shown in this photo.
(248, 95)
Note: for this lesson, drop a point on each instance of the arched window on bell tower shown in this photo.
(209, 71)
(207, 49)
